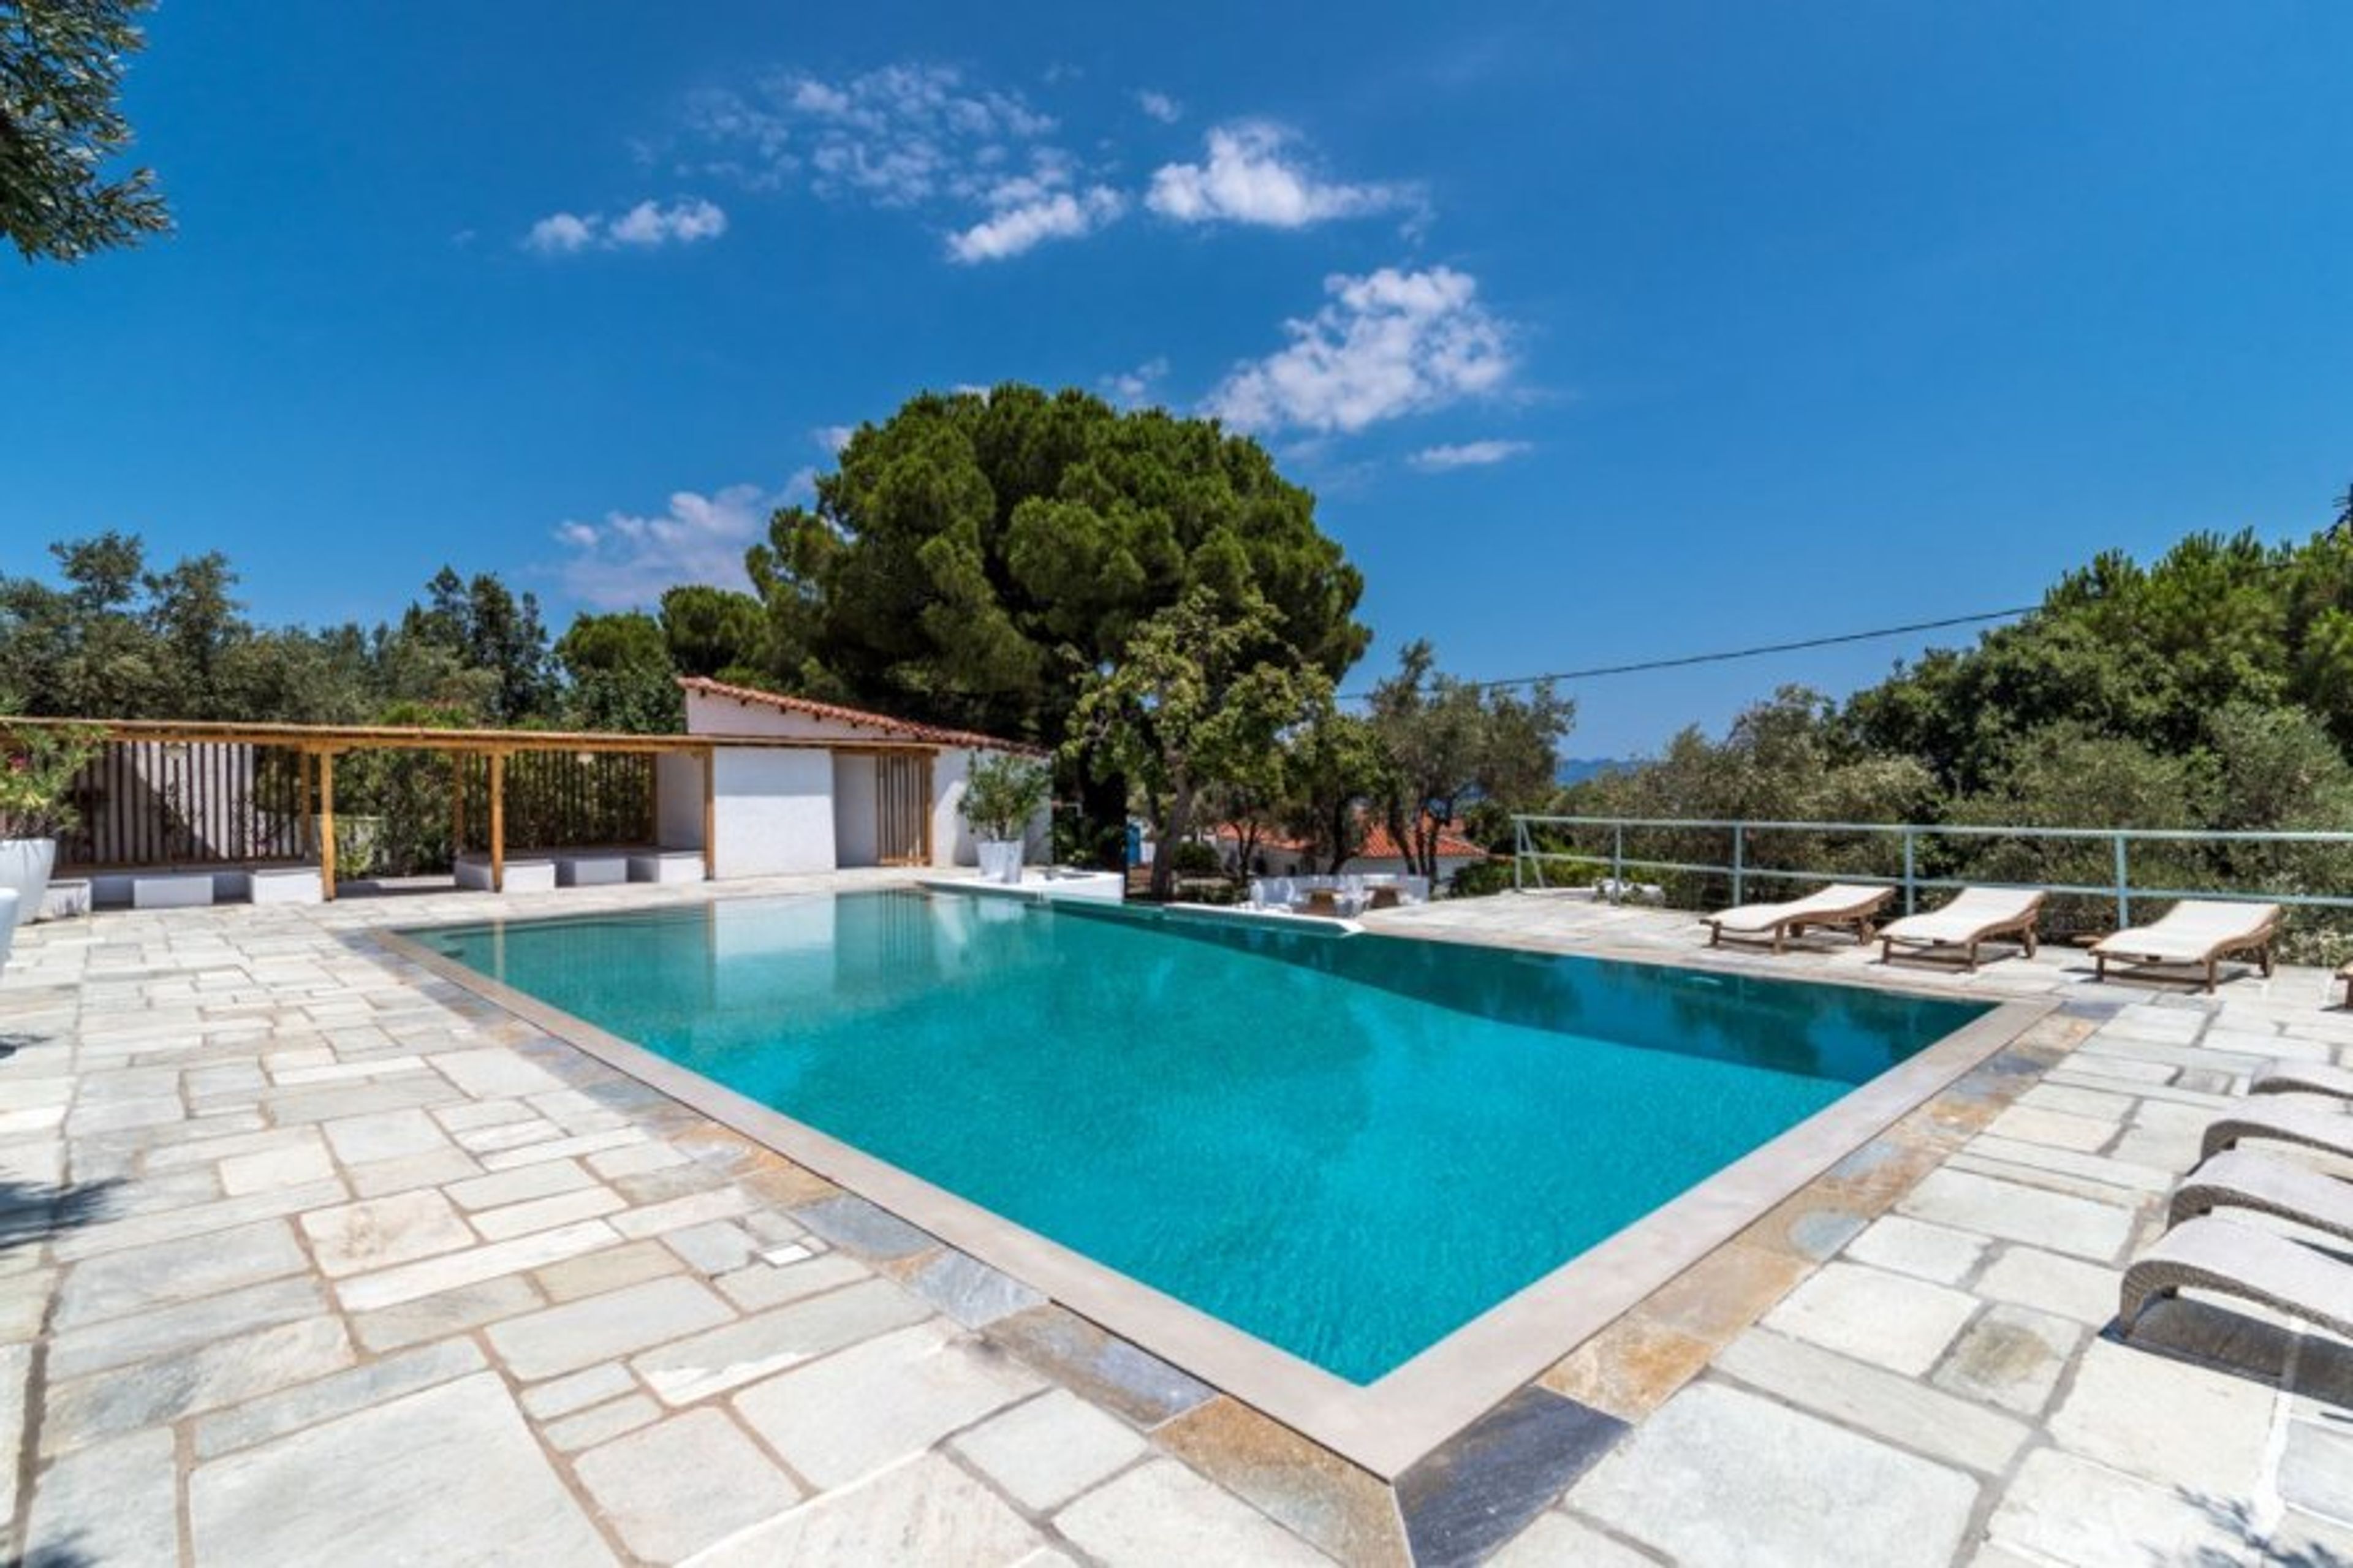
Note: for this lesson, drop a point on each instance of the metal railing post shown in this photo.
(1911, 892)
(1739, 860)
(1618, 864)
(2124, 886)
(1519, 853)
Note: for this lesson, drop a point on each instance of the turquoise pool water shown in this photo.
(1348, 1147)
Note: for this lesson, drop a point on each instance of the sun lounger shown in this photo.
(2194, 932)
(2243, 1179)
(2346, 974)
(2238, 1260)
(2304, 1078)
(2309, 1120)
(1974, 915)
(1839, 904)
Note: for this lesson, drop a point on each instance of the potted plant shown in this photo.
(37, 766)
(1002, 795)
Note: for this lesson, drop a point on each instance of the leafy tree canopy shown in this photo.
(976, 559)
(61, 124)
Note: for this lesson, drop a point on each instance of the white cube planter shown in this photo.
(592, 868)
(1000, 860)
(24, 867)
(285, 885)
(8, 902)
(666, 866)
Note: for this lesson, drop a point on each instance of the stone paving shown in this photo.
(305, 1253)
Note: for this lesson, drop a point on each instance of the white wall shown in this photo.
(857, 828)
(709, 715)
(774, 811)
(952, 840)
(678, 801)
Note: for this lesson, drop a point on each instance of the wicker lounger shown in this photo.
(1839, 904)
(2242, 1179)
(2304, 1078)
(2198, 932)
(2312, 1121)
(2238, 1260)
(1974, 915)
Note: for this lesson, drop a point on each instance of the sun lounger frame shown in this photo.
(2257, 941)
(1859, 915)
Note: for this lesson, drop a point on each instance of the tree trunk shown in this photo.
(1172, 833)
(1103, 801)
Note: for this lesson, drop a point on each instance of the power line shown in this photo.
(1639, 665)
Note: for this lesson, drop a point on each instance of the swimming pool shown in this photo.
(1348, 1147)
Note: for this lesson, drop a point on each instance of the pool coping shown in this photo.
(1388, 1426)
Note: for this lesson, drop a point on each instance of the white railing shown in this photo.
(1529, 859)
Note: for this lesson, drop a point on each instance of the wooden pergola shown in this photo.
(318, 745)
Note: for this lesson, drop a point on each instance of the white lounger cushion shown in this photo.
(2190, 931)
(1838, 899)
(1972, 911)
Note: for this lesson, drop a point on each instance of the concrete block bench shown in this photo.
(666, 866)
(171, 890)
(526, 874)
(591, 868)
(284, 885)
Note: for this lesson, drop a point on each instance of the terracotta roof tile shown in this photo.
(932, 734)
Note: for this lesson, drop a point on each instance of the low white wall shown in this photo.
(773, 812)
(857, 818)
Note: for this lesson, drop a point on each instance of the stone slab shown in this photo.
(683, 1484)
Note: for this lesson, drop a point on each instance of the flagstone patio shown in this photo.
(307, 1253)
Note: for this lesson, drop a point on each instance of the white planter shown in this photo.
(8, 903)
(1000, 860)
(25, 866)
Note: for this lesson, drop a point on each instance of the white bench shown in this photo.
(171, 890)
(284, 885)
(527, 874)
(666, 866)
(591, 868)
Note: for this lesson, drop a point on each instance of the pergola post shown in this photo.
(498, 822)
(710, 814)
(327, 826)
(456, 805)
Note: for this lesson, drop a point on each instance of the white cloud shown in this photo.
(644, 226)
(1014, 230)
(626, 560)
(833, 437)
(559, 234)
(1256, 172)
(1131, 388)
(1160, 106)
(1385, 344)
(899, 136)
(1467, 455)
(649, 222)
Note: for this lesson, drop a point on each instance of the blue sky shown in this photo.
(1601, 331)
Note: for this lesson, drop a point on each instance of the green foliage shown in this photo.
(621, 674)
(713, 631)
(60, 124)
(1194, 858)
(1200, 696)
(1481, 879)
(1332, 766)
(1002, 793)
(37, 764)
(1448, 741)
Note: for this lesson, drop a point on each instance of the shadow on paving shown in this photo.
(60, 1554)
(33, 1212)
(2235, 1519)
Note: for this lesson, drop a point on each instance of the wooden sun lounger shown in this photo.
(2243, 1179)
(2200, 932)
(2238, 1260)
(2304, 1078)
(2312, 1121)
(1974, 915)
(1839, 904)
